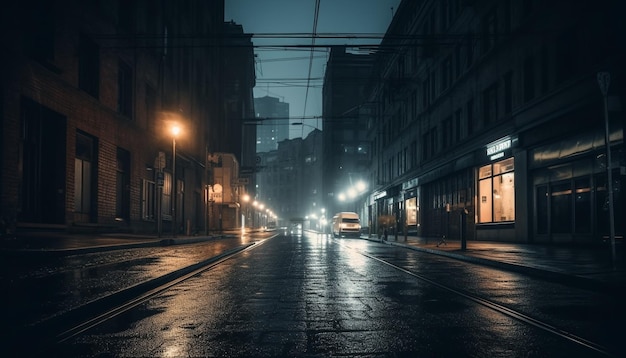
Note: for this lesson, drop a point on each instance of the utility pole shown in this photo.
(604, 79)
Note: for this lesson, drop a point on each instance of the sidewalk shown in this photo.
(584, 266)
(61, 244)
(589, 267)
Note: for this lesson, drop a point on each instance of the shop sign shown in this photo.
(409, 184)
(380, 195)
(495, 150)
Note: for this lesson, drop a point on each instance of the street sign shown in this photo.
(243, 181)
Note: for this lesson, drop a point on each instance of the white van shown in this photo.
(346, 224)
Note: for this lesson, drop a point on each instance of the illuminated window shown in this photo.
(496, 192)
(411, 211)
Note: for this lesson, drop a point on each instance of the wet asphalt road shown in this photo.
(317, 296)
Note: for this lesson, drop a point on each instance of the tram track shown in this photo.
(74, 322)
(502, 309)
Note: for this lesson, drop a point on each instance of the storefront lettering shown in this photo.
(499, 147)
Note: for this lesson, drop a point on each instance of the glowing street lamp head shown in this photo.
(352, 193)
(175, 130)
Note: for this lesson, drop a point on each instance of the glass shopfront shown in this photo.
(496, 192)
(571, 200)
(411, 212)
(571, 191)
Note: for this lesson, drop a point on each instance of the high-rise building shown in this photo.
(273, 117)
(345, 144)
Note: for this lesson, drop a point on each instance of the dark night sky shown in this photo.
(284, 73)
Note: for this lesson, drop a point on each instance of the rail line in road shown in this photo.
(74, 322)
(494, 306)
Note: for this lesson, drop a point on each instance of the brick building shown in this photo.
(89, 93)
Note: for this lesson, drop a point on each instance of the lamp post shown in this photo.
(175, 132)
(604, 79)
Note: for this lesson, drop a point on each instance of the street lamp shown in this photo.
(175, 132)
(604, 79)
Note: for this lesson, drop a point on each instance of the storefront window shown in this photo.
(496, 192)
(561, 208)
(411, 211)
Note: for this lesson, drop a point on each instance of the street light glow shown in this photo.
(360, 186)
(352, 193)
(175, 130)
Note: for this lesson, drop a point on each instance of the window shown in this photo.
(448, 132)
(446, 73)
(529, 79)
(470, 117)
(429, 143)
(148, 200)
(412, 212)
(89, 66)
(124, 90)
(469, 55)
(83, 173)
(489, 31)
(496, 192)
(457, 61)
(490, 104)
(565, 56)
(151, 108)
(433, 93)
(166, 203)
(545, 70)
(508, 92)
(122, 199)
(456, 136)
(413, 154)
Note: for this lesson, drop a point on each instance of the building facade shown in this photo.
(490, 124)
(274, 115)
(289, 182)
(346, 148)
(90, 94)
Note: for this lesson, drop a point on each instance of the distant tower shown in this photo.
(276, 128)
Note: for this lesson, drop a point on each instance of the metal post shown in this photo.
(604, 79)
(158, 210)
(174, 186)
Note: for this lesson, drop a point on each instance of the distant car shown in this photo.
(295, 229)
(346, 224)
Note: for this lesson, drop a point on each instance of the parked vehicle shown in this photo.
(346, 224)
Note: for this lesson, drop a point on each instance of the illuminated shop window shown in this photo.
(496, 192)
(411, 211)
